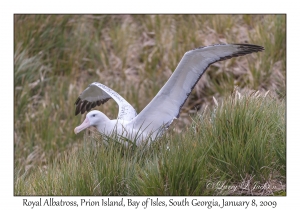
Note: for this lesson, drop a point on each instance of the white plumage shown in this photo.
(156, 117)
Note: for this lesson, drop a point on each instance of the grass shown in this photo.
(212, 149)
(238, 141)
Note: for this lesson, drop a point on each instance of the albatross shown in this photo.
(157, 116)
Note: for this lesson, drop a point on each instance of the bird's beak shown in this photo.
(84, 125)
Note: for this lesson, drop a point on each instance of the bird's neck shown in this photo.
(106, 126)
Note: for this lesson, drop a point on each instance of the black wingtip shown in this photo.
(243, 49)
(77, 110)
(83, 106)
(77, 101)
(246, 48)
(77, 104)
(86, 106)
(249, 48)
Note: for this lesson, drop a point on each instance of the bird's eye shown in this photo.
(94, 115)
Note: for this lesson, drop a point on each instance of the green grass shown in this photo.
(238, 139)
(57, 56)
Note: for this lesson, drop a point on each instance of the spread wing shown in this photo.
(96, 94)
(166, 105)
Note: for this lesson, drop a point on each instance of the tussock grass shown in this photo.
(212, 149)
(57, 56)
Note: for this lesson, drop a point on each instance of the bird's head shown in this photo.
(93, 118)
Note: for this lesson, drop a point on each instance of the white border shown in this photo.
(8, 9)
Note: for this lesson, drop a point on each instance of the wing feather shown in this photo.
(166, 105)
(96, 94)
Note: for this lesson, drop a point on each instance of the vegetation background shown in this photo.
(236, 140)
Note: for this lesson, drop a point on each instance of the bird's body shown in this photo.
(123, 128)
(156, 117)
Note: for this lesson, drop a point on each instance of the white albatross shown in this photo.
(156, 117)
